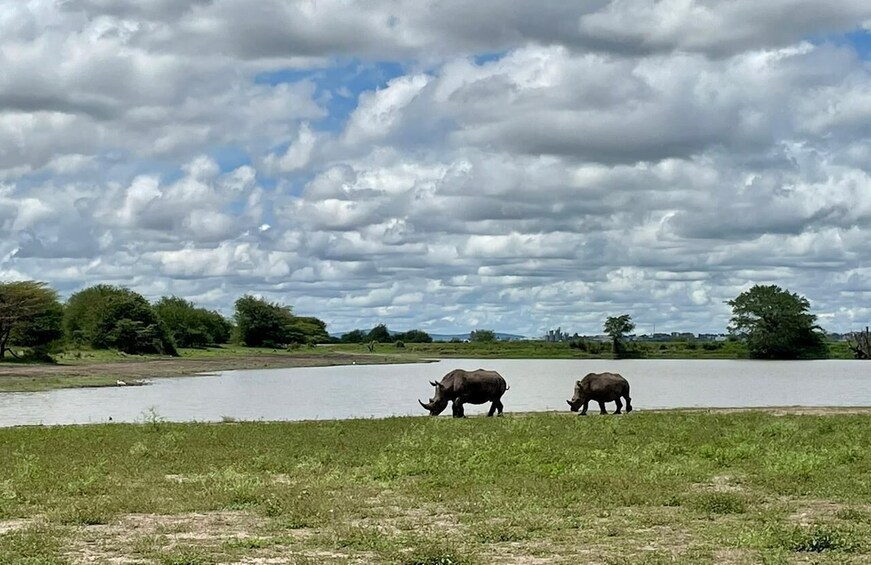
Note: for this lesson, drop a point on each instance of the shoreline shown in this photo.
(19, 377)
(776, 411)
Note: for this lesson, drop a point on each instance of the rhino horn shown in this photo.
(569, 402)
(425, 407)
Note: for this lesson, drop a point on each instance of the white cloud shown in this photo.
(378, 113)
(519, 165)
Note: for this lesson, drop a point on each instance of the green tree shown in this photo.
(482, 336)
(414, 336)
(112, 317)
(217, 326)
(776, 324)
(617, 327)
(261, 323)
(309, 330)
(354, 336)
(379, 334)
(191, 326)
(30, 315)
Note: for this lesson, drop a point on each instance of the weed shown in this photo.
(819, 538)
(719, 503)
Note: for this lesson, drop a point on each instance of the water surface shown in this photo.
(362, 391)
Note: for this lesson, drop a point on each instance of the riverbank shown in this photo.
(648, 488)
(77, 369)
(107, 368)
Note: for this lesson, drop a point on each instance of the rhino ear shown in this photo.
(578, 383)
(440, 385)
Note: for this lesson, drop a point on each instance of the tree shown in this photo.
(414, 336)
(776, 324)
(482, 336)
(354, 336)
(265, 324)
(308, 329)
(617, 327)
(191, 326)
(29, 315)
(860, 343)
(262, 323)
(112, 317)
(379, 334)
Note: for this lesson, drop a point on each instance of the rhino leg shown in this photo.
(494, 406)
(628, 404)
(619, 406)
(602, 407)
(457, 408)
(584, 409)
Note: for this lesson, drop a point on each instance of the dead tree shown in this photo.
(860, 343)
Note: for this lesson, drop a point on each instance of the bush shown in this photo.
(191, 326)
(111, 317)
(264, 324)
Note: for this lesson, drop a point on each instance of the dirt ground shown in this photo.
(179, 366)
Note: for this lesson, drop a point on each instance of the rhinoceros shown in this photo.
(601, 387)
(467, 387)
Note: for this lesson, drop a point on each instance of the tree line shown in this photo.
(773, 322)
(112, 317)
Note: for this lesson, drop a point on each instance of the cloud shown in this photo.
(509, 165)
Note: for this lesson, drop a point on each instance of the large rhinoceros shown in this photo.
(601, 387)
(467, 387)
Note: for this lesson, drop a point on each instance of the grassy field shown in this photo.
(648, 488)
(562, 350)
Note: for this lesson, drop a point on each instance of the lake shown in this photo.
(364, 391)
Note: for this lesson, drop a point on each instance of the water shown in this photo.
(363, 391)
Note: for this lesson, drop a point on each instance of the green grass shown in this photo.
(563, 350)
(670, 487)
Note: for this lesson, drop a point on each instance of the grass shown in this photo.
(669, 487)
(563, 350)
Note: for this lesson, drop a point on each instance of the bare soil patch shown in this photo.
(12, 525)
(179, 366)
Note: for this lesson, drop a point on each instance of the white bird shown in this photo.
(120, 383)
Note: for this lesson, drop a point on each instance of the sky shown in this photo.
(447, 165)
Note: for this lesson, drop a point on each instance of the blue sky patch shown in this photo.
(339, 86)
(860, 40)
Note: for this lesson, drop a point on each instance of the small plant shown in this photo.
(435, 556)
(720, 503)
(821, 538)
(152, 418)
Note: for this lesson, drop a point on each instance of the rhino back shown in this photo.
(476, 383)
(604, 385)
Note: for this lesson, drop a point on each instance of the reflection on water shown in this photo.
(363, 391)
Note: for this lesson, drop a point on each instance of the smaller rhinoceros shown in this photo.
(467, 387)
(601, 387)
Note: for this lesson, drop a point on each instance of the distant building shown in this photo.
(558, 335)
